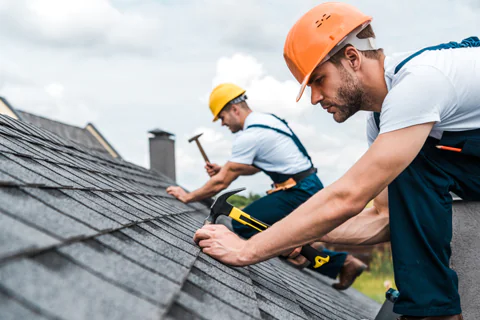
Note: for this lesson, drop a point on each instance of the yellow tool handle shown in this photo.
(245, 219)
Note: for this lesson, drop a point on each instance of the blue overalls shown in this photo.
(421, 216)
(275, 206)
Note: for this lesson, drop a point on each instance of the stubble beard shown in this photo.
(351, 94)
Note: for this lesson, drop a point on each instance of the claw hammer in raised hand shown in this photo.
(222, 208)
(204, 155)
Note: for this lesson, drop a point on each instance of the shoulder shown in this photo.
(245, 138)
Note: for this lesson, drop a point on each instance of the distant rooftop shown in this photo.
(88, 137)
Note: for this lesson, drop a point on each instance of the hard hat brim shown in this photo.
(303, 86)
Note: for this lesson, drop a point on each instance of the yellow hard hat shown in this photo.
(221, 96)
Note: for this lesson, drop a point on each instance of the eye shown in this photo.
(319, 80)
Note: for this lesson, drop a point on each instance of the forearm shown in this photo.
(211, 188)
(367, 228)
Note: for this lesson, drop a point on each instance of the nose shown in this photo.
(316, 95)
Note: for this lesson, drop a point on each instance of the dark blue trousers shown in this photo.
(276, 206)
(421, 223)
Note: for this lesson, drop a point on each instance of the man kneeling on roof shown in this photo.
(266, 143)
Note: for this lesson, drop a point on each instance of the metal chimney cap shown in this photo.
(161, 133)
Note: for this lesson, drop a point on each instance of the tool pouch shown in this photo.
(288, 184)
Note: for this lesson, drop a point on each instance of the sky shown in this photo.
(130, 66)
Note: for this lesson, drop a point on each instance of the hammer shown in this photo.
(204, 155)
(222, 207)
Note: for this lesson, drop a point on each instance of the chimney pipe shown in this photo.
(162, 152)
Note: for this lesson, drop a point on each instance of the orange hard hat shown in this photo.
(319, 34)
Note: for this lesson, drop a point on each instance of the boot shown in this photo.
(351, 269)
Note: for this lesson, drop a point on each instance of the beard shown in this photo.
(350, 97)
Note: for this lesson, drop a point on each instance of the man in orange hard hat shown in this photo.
(266, 143)
(424, 135)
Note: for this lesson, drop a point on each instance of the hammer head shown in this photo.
(220, 206)
(195, 138)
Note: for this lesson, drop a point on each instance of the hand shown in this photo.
(212, 168)
(178, 193)
(222, 244)
(296, 259)
(299, 261)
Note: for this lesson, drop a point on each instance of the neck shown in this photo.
(374, 84)
(244, 116)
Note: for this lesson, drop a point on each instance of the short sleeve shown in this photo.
(244, 148)
(419, 94)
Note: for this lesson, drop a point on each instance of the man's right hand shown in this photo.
(212, 168)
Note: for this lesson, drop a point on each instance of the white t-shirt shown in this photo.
(441, 86)
(266, 148)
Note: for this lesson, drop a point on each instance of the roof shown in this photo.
(84, 235)
(88, 137)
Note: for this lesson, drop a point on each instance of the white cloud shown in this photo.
(83, 24)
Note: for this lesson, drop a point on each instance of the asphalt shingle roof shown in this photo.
(86, 236)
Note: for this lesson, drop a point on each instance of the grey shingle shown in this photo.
(8, 144)
(79, 174)
(272, 301)
(139, 207)
(68, 206)
(207, 306)
(100, 205)
(16, 236)
(116, 200)
(176, 240)
(22, 173)
(149, 258)
(158, 245)
(66, 290)
(21, 205)
(74, 180)
(243, 287)
(6, 179)
(10, 309)
(143, 282)
(224, 293)
(52, 178)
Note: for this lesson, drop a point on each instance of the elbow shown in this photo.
(351, 202)
(219, 185)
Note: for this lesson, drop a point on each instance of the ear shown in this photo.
(235, 109)
(353, 57)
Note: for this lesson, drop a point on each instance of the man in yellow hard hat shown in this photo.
(424, 131)
(266, 143)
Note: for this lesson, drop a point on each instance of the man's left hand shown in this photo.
(178, 193)
(220, 243)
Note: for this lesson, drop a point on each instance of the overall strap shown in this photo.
(466, 43)
(293, 136)
(376, 117)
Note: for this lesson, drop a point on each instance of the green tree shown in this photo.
(241, 202)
